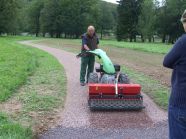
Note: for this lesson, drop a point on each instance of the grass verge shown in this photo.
(11, 130)
(146, 47)
(16, 63)
(39, 81)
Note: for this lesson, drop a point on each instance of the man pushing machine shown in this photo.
(90, 41)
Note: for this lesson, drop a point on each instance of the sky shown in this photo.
(114, 1)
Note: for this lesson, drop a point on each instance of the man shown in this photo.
(176, 60)
(90, 41)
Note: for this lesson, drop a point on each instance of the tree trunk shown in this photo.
(101, 32)
(134, 38)
(43, 34)
(164, 38)
(142, 38)
(150, 39)
(131, 38)
(51, 34)
(153, 38)
(170, 39)
(65, 35)
(37, 34)
(77, 35)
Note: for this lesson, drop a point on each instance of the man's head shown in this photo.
(183, 20)
(91, 31)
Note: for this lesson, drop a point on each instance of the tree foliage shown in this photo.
(168, 23)
(70, 18)
(8, 14)
(128, 13)
(147, 19)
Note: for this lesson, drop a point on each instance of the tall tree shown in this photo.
(168, 21)
(69, 17)
(128, 12)
(51, 17)
(107, 17)
(8, 15)
(147, 18)
(34, 13)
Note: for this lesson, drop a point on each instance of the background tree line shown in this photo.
(129, 20)
(58, 18)
(147, 18)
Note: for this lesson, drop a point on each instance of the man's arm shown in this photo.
(173, 56)
(84, 43)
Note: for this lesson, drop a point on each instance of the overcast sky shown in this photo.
(114, 1)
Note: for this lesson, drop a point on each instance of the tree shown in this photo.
(128, 12)
(168, 21)
(107, 17)
(147, 19)
(7, 16)
(34, 13)
(68, 17)
(51, 17)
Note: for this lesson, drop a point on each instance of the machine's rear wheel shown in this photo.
(93, 78)
(123, 79)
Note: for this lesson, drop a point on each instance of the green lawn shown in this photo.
(11, 130)
(16, 64)
(146, 47)
(32, 78)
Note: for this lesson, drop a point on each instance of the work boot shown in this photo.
(82, 84)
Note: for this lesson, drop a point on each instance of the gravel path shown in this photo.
(77, 121)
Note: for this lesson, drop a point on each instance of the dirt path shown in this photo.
(77, 121)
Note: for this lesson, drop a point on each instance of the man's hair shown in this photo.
(91, 28)
(183, 17)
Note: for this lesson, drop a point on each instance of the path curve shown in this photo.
(77, 121)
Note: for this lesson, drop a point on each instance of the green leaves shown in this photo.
(8, 14)
(68, 17)
(128, 12)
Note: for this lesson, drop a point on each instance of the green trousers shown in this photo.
(87, 66)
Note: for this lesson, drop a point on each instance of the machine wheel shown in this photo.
(93, 78)
(123, 79)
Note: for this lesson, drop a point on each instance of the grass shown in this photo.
(146, 47)
(16, 64)
(46, 89)
(159, 93)
(11, 130)
(33, 79)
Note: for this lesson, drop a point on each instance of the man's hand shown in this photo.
(82, 54)
(86, 47)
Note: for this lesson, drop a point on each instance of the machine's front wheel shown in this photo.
(123, 79)
(93, 78)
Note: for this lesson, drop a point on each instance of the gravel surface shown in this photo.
(158, 131)
(77, 121)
